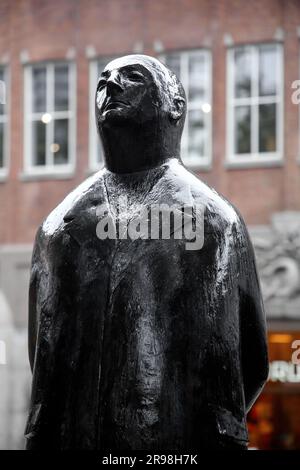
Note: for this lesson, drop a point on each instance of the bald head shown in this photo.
(140, 101)
(167, 83)
(165, 88)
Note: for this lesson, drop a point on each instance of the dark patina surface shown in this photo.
(143, 344)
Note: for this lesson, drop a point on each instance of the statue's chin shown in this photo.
(119, 115)
(111, 115)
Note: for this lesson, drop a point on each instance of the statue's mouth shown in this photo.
(113, 104)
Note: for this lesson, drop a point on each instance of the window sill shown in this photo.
(47, 175)
(190, 166)
(253, 162)
(3, 175)
(92, 170)
(196, 167)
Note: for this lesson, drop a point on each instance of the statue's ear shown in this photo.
(178, 107)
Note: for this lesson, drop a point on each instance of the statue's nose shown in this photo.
(114, 82)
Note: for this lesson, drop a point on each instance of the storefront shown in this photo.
(274, 421)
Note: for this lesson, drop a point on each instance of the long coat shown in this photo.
(143, 344)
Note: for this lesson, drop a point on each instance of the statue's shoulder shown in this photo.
(75, 201)
(217, 208)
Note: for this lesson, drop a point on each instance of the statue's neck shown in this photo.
(128, 152)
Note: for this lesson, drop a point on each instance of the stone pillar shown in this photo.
(14, 380)
(20, 390)
(6, 338)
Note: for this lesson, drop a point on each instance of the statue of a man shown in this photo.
(137, 342)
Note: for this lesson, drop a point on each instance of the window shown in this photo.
(96, 151)
(3, 122)
(255, 104)
(49, 118)
(193, 68)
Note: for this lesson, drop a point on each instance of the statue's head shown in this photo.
(137, 90)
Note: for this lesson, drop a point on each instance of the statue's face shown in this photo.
(126, 91)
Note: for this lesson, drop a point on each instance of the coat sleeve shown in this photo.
(33, 317)
(254, 352)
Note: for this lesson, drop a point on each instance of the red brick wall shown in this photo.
(47, 30)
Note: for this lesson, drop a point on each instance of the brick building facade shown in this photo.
(265, 186)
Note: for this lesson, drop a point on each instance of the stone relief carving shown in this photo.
(277, 250)
(14, 380)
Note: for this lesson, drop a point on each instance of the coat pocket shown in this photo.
(33, 421)
(230, 426)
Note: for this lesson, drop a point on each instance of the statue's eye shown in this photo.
(135, 76)
(101, 84)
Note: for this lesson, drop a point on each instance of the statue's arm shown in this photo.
(33, 319)
(252, 323)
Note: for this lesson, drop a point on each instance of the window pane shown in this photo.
(102, 64)
(2, 92)
(242, 129)
(61, 88)
(39, 89)
(1, 144)
(196, 134)
(173, 63)
(59, 147)
(99, 151)
(267, 70)
(196, 77)
(99, 155)
(267, 127)
(242, 62)
(39, 143)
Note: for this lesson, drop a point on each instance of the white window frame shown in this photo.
(5, 118)
(49, 169)
(256, 158)
(298, 104)
(94, 164)
(205, 161)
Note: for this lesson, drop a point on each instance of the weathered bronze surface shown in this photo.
(143, 344)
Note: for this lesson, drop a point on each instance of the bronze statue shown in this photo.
(138, 342)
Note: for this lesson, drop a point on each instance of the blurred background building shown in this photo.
(237, 60)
